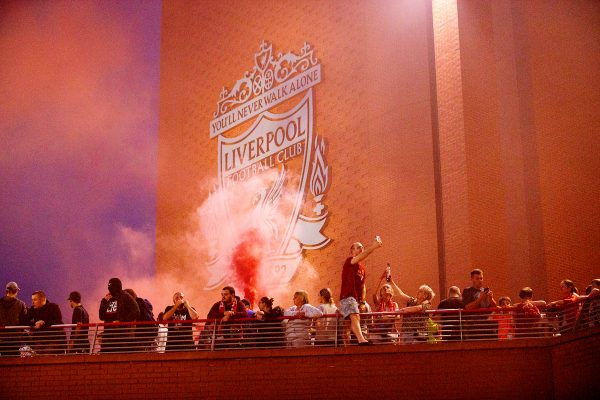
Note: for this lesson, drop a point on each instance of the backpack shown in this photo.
(146, 313)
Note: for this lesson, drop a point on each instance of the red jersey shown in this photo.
(353, 280)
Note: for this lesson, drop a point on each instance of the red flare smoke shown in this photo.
(246, 259)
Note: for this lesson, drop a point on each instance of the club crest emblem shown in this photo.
(272, 168)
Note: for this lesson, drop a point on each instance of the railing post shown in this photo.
(337, 329)
(94, 341)
(214, 336)
(460, 324)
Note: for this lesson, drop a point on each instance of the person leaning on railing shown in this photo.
(567, 307)
(229, 333)
(528, 315)
(42, 316)
(267, 330)
(13, 312)
(297, 328)
(504, 318)
(451, 320)
(415, 321)
(590, 309)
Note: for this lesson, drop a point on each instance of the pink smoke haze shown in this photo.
(79, 112)
(79, 125)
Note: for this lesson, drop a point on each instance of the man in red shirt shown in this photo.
(353, 287)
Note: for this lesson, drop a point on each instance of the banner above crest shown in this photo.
(271, 82)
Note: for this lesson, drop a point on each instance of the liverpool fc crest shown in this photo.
(273, 165)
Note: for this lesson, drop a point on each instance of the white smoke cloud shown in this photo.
(245, 232)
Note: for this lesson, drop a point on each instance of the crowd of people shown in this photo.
(395, 317)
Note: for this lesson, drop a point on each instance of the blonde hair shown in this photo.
(383, 287)
(429, 294)
(303, 294)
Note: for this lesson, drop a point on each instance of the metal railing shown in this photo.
(397, 328)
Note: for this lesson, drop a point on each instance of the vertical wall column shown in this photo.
(519, 162)
(451, 185)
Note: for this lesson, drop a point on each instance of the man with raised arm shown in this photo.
(353, 288)
(181, 335)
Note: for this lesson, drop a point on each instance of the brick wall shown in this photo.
(576, 368)
(530, 95)
(523, 369)
(513, 187)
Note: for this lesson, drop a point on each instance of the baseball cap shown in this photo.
(12, 286)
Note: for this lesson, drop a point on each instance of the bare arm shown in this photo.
(477, 302)
(168, 315)
(377, 243)
(376, 294)
(191, 310)
(399, 291)
(539, 303)
(411, 309)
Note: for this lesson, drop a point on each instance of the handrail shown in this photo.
(431, 326)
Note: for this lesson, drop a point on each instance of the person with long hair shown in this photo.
(326, 326)
(268, 331)
(567, 307)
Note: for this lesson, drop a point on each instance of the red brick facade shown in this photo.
(465, 134)
(561, 368)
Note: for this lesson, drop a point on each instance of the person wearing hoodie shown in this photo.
(13, 312)
(117, 306)
(42, 316)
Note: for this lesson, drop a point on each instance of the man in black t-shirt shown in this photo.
(451, 321)
(477, 325)
(180, 336)
(78, 342)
